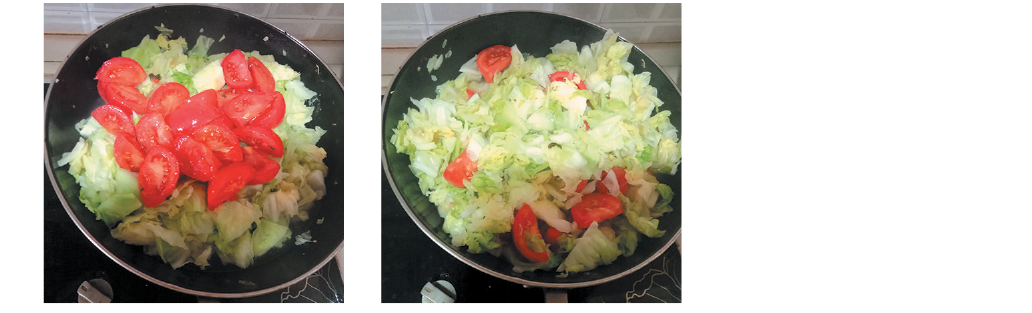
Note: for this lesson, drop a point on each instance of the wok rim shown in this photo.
(453, 251)
(96, 242)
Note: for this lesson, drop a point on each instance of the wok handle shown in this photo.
(556, 296)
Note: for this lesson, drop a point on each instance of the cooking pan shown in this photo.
(534, 33)
(73, 96)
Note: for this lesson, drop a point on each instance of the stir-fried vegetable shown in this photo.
(547, 161)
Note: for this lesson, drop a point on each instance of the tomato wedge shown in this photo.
(261, 138)
(265, 168)
(469, 94)
(263, 80)
(191, 116)
(527, 237)
(493, 60)
(114, 120)
(567, 76)
(121, 71)
(221, 140)
(621, 180)
(159, 174)
(552, 236)
(151, 130)
(208, 97)
(168, 97)
(273, 115)
(227, 182)
(234, 68)
(197, 160)
(246, 107)
(226, 95)
(460, 170)
(595, 207)
(128, 154)
(126, 97)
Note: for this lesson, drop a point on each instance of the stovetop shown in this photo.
(410, 260)
(71, 259)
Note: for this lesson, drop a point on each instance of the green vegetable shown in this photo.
(182, 229)
(530, 143)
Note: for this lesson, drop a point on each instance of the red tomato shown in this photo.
(159, 174)
(121, 71)
(234, 68)
(226, 95)
(265, 168)
(208, 97)
(460, 170)
(583, 183)
(221, 140)
(151, 130)
(126, 97)
(586, 126)
(196, 160)
(227, 182)
(263, 80)
(167, 97)
(552, 236)
(595, 207)
(261, 138)
(128, 154)
(114, 120)
(189, 117)
(469, 94)
(525, 228)
(493, 60)
(566, 76)
(245, 107)
(273, 115)
(621, 180)
(223, 120)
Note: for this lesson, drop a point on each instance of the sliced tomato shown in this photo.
(583, 183)
(265, 168)
(223, 120)
(114, 120)
(234, 68)
(159, 174)
(263, 80)
(460, 170)
(621, 180)
(469, 94)
(227, 182)
(151, 130)
(595, 207)
(552, 236)
(273, 115)
(197, 160)
(493, 60)
(221, 140)
(586, 126)
(246, 107)
(527, 237)
(123, 96)
(226, 95)
(261, 138)
(168, 97)
(208, 97)
(567, 76)
(121, 71)
(189, 117)
(128, 154)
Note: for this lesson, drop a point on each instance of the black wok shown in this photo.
(73, 96)
(533, 33)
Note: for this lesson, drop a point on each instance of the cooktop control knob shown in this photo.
(440, 291)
